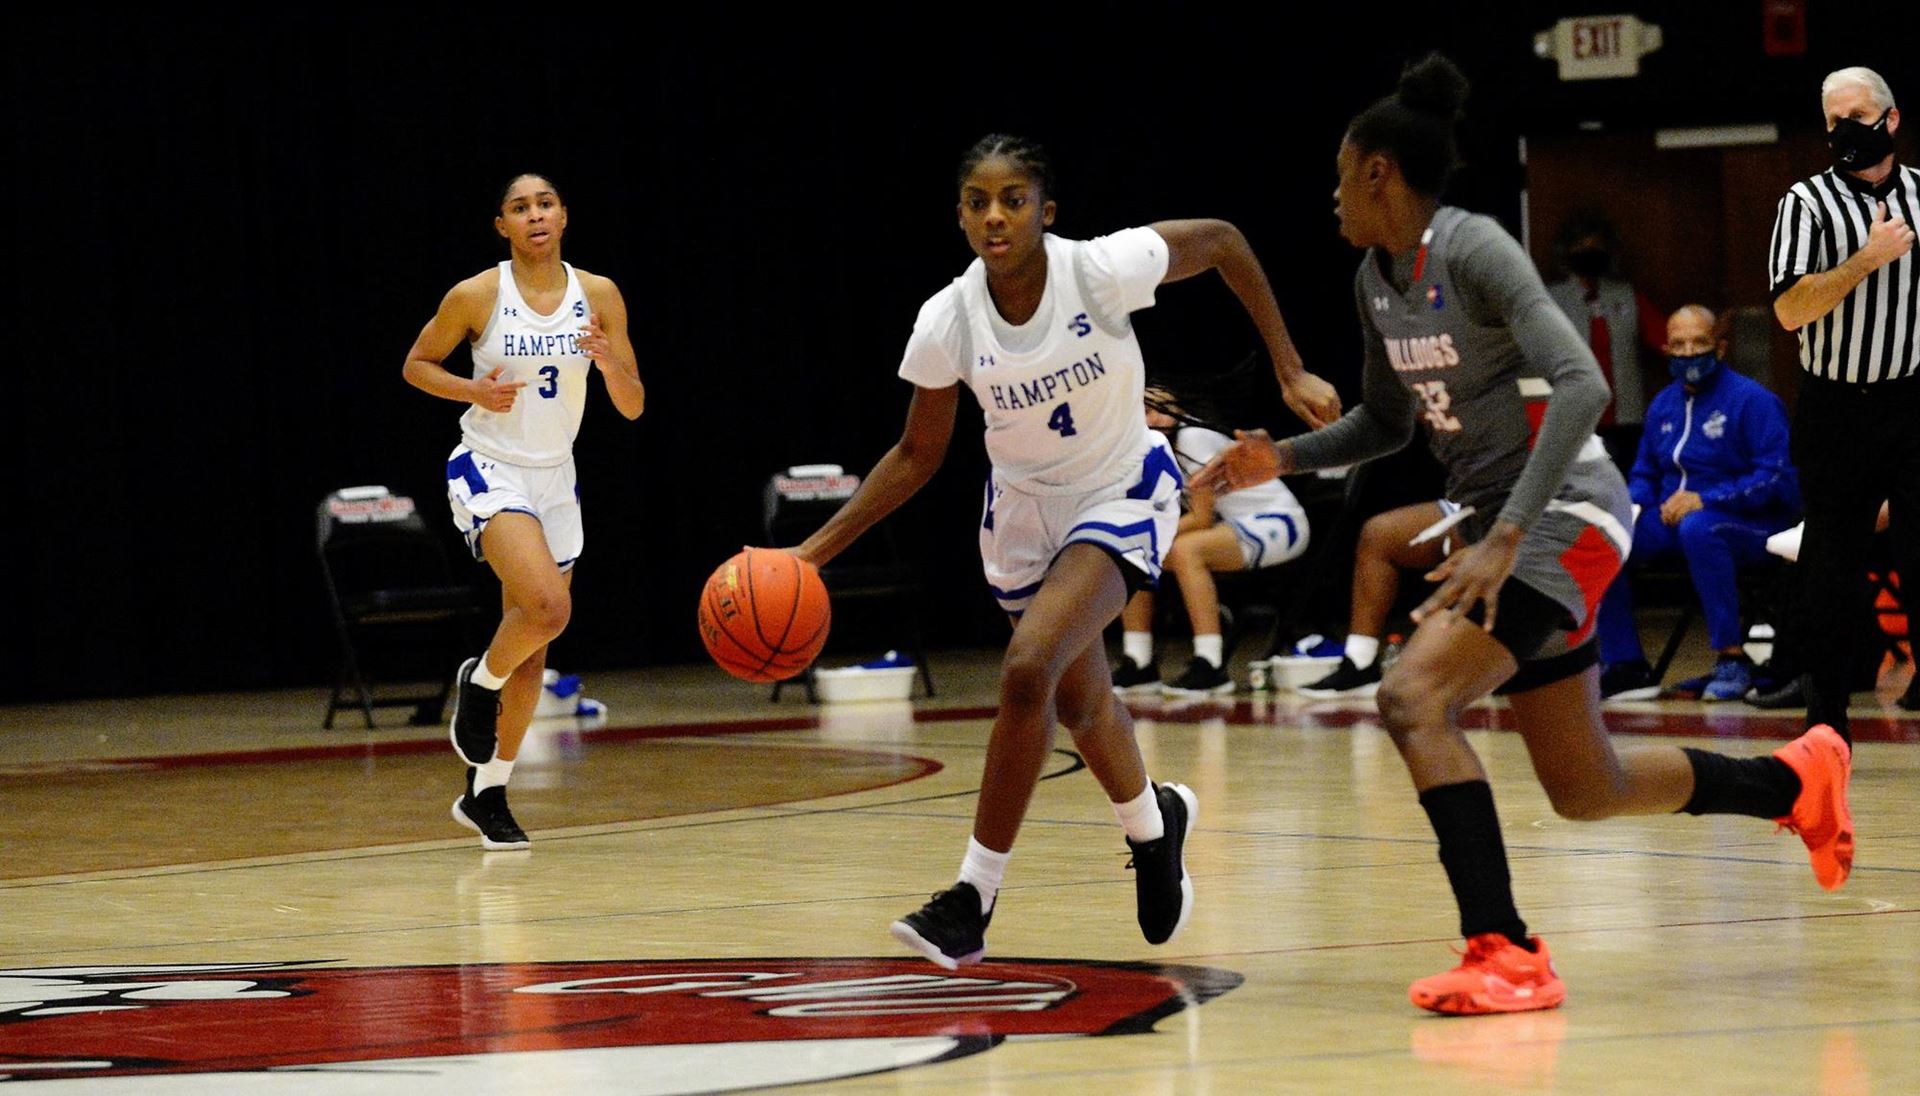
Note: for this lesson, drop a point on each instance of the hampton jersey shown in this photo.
(543, 351)
(1456, 346)
(1194, 446)
(1061, 393)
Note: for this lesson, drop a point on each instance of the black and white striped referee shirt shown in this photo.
(1874, 334)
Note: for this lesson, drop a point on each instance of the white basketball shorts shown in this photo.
(479, 487)
(1021, 534)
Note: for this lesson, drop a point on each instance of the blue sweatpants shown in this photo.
(1715, 544)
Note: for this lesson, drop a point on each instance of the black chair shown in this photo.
(796, 502)
(397, 607)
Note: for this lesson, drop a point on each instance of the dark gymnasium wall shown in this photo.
(226, 232)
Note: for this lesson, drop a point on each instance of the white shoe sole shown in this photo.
(1143, 688)
(1362, 692)
(905, 933)
(1647, 692)
(1186, 881)
(1221, 689)
(486, 842)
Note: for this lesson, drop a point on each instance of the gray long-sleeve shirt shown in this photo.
(1473, 346)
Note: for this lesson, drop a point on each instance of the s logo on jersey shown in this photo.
(1079, 326)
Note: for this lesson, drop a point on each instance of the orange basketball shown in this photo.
(764, 615)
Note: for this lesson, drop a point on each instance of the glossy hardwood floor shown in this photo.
(211, 895)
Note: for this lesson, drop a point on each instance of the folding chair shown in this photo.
(796, 502)
(396, 603)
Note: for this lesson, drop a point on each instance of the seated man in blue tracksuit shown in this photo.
(1712, 481)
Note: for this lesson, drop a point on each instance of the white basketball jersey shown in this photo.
(543, 351)
(1062, 392)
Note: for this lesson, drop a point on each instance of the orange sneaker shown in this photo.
(1823, 761)
(1495, 975)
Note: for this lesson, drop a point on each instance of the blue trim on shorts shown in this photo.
(461, 467)
(1016, 594)
(987, 522)
(1123, 531)
(1247, 536)
(1157, 461)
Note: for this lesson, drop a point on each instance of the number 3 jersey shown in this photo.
(544, 353)
(1061, 393)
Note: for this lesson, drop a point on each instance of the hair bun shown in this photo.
(1433, 85)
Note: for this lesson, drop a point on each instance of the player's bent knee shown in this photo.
(1026, 677)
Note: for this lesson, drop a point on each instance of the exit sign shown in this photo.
(1598, 47)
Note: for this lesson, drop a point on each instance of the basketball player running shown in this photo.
(1454, 318)
(534, 325)
(1080, 506)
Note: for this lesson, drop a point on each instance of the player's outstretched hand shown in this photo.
(1254, 458)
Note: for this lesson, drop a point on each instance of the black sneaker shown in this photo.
(1777, 695)
(949, 929)
(1131, 677)
(1201, 678)
(1629, 681)
(487, 815)
(1162, 888)
(475, 727)
(1345, 680)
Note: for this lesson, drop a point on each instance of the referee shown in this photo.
(1846, 279)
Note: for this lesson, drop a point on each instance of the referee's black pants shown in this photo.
(1855, 446)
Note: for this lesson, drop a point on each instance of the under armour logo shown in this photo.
(1080, 326)
(510, 312)
(1381, 304)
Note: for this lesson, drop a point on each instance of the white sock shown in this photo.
(1137, 646)
(1208, 647)
(1140, 816)
(1362, 650)
(484, 677)
(493, 774)
(983, 868)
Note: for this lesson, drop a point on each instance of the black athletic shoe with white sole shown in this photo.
(1201, 678)
(1163, 889)
(1131, 677)
(949, 929)
(487, 815)
(475, 727)
(1346, 680)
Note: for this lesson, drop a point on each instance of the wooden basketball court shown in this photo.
(210, 895)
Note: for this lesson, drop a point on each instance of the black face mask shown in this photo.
(1589, 262)
(1856, 146)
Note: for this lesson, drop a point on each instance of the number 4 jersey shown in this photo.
(544, 353)
(1062, 392)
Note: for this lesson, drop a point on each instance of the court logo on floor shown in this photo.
(666, 1026)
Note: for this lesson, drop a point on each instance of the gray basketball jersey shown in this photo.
(1452, 347)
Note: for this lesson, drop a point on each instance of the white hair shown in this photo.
(1864, 78)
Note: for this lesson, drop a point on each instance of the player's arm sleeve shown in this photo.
(1120, 273)
(1791, 253)
(1381, 423)
(1501, 285)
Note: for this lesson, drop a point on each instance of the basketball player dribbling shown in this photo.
(536, 327)
(1455, 319)
(1080, 508)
